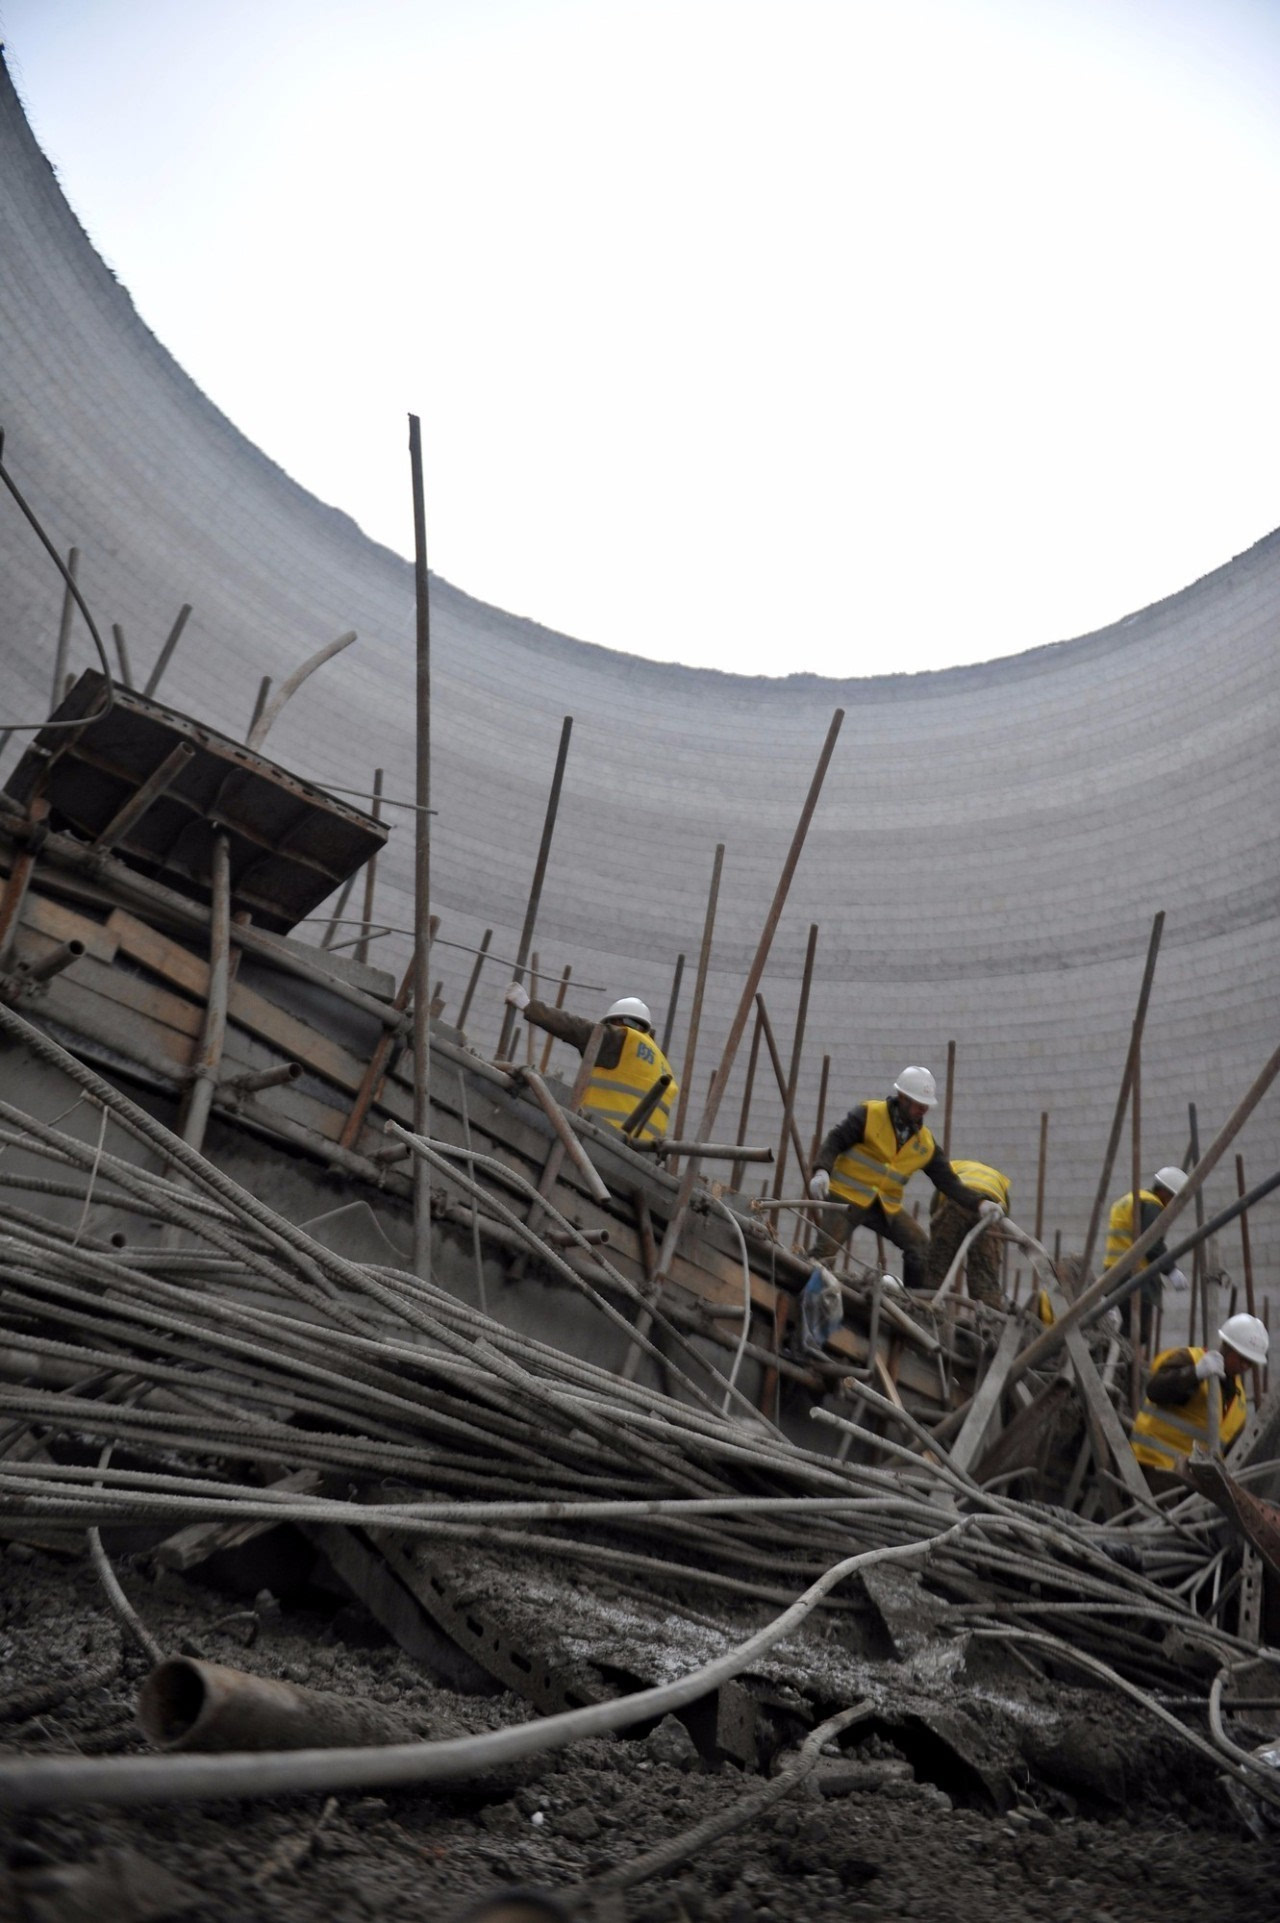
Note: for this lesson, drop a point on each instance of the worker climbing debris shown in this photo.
(1122, 1234)
(627, 1067)
(867, 1160)
(951, 1220)
(1193, 1393)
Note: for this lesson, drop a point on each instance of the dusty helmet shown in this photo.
(630, 1009)
(1170, 1178)
(918, 1085)
(1247, 1336)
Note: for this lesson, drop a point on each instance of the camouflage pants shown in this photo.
(949, 1223)
(899, 1228)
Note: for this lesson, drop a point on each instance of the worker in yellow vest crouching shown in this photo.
(951, 1221)
(867, 1161)
(1177, 1411)
(627, 1066)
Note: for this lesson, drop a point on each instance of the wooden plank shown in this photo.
(245, 1007)
(1102, 1417)
(200, 1540)
(49, 917)
(983, 1407)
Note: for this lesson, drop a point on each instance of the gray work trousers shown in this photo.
(899, 1228)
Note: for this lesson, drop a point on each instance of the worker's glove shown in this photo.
(1210, 1363)
(819, 1185)
(990, 1210)
(518, 995)
(1178, 1281)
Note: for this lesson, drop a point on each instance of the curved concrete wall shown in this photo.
(985, 862)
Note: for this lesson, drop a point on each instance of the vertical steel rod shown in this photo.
(699, 990)
(1136, 1357)
(330, 934)
(735, 1173)
(673, 1002)
(370, 876)
(539, 873)
(550, 1042)
(64, 630)
(1245, 1248)
(122, 654)
(165, 655)
(797, 1050)
(264, 694)
(779, 1075)
(476, 966)
(421, 865)
(1199, 1278)
(535, 984)
(1122, 1099)
(950, 1098)
(207, 1058)
(1040, 1173)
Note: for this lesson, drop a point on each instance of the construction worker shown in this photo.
(868, 1159)
(627, 1066)
(1175, 1413)
(1121, 1235)
(951, 1221)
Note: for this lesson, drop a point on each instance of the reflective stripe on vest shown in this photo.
(987, 1181)
(1120, 1235)
(876, 1167)
(612, 1093)
(1164, 1438)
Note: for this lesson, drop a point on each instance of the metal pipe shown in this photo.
(422, 862)
(735, 1173)
(186, 1704)
(260, 702)
(338, 916)
(699, 992)
(166, 653)
(645, 1106)
(53, 964)
(1122, 1099)
(1135, 1151)
(572, 1146)
(253, 1079)
(1041, 1166)
(208, 1052)
(950, 1098)
(1199, 1284)
(64, 631)
(361, 950)
(122, 655)
(714, 1151)
(477, 965)
(561, 991)
(127, 817)
(270, 710)
(673, 1002)
(539, 875)
(797, 1050)
(776, 1061)
(1246, 1250)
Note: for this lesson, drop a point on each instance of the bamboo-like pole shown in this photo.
(64, 631)
(1122, 1099)
(165, 655)
(370, 876)
(476, 966)
(539, 874)
(699, 991)
(673, 1002)
(422, 863)
(950, 1098)
(735, 1173)
(797, 1050)
(1041, 1167)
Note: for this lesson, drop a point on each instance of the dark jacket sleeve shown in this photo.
(845, 1135)
(1174, 1381)
(948, 1183)
(576, 1030)
(1146, 1216)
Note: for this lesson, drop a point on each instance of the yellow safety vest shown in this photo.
(987, 1181)
(1120, 1234)
(612, 1093)
(1163, 1438)
(876, 1166)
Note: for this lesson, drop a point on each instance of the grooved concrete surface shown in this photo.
(986, 859)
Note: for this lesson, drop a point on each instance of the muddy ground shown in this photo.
(1147, 1834)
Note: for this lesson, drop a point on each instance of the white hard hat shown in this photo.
(632, 1010)
(1247, 1336)
(918, 1085)
(1172, 1179)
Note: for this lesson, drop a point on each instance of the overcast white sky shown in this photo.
(845, 335)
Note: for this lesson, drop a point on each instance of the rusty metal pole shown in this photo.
(370, 876)
(535, 893)
(1122, 1099)
(207, 1059)
(1199, 1273)
(1136, 1357)
(421, 866)
(477, 965)
(779, 1076)
(804, 1234)
(122, 655)
(330, 934)
(673, 1002)
(950, 1098)
(735, 1173)
(699, 990)
(166, 653)
(64, 631)
(550, 1042)
(1246, 1250)
(535, 983)
(797, 1049)
(1040, 1173)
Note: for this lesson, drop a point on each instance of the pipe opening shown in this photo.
(171, 1701)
